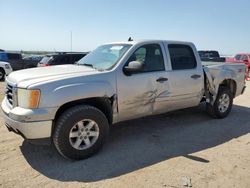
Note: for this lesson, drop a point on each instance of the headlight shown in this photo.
(28, 98)
(7, 66)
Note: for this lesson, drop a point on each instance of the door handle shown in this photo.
(162, 79)
(195, 76)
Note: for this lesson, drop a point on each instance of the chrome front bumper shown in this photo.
(32, 129)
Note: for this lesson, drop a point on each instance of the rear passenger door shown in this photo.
(186, 78)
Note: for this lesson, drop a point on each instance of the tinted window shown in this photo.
(76, 57)
(237, 57)
(60, 59)
(66, 59)
(3, 57)
(151, 57)
(12, 56)
(209, 54)
(182, 57)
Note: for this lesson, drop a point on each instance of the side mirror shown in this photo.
(133, 67)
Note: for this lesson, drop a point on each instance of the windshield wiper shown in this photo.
(88, 65)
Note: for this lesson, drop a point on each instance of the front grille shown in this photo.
(9, 94)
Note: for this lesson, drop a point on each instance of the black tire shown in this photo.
(214, 111)
(69, 119)
(2, 74)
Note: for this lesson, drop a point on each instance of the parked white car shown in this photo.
(5, 69)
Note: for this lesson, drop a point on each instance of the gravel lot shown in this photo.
(168, 150)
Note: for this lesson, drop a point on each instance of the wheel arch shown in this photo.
(4, 73)
(1, 68)
(104, 104)
(231, 84)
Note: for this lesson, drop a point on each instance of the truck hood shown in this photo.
(27, 77)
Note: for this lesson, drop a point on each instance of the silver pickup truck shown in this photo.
(74, 105)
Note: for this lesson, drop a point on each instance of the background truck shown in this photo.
(242, 58)
(61, 58)
(74, 105)
(16, 60)
(211, 55)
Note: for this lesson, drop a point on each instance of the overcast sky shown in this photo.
(222, 25)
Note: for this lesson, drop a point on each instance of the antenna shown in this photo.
(130, 39)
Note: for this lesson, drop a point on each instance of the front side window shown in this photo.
(105, 57)
(182, 57)
(150, 56)
(237, 57)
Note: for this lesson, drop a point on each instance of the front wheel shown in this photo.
(222, 105)
(80, 132)
(2, 74)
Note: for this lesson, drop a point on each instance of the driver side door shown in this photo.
(137, 92)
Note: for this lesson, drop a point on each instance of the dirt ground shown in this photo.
(185, 147)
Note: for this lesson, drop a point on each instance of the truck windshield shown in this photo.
(105, 57)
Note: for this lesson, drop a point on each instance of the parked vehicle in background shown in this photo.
(74, 105)
(242, 58)
(5, 69)
(211, 55)
(60, 59)
(15, 60)
(33, 60)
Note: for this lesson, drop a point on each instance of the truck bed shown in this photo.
(216, 72)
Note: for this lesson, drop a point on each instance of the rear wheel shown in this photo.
(248, 74)
(2, 74)
(222, 105)
(80, 132)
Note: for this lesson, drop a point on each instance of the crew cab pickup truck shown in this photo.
(74, 105)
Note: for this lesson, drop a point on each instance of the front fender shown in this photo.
(72, 92)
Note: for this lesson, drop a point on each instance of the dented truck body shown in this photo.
(119, 95)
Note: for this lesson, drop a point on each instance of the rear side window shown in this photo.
(60, 59)
(65, 59)
(76, 57)
(12, 56)
(182, 57)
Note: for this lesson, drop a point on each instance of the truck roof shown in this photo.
(151, 41)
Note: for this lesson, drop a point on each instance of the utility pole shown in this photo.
(71, 41)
